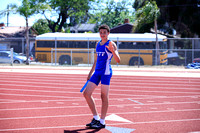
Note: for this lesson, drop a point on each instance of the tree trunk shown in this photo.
(27, 42)
(157, 44)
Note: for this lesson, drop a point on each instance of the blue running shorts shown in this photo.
(96, 78)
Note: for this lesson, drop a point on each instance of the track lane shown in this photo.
(161, 103)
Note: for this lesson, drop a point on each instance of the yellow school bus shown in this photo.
(79, 48)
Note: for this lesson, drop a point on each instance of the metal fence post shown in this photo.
(139, 59)
(71, 57)
(156, 57)
(92, 56)
(88, 52)
(185, 57)
(51, 56)
(192, 49)
(55, 51)
(11, 57)
(22, 45)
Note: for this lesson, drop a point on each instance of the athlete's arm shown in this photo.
(113, 48)
(93, 67)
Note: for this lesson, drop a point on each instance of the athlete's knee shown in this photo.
(86, 94)
(104, 97)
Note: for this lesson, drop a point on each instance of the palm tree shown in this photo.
(147, 14)
(26, 10)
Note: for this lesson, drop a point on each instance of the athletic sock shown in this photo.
(96, 117)
(102, 121)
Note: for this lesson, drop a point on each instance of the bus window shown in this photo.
(72, 44)
(46, 44)
(136, 45)
(92, 44)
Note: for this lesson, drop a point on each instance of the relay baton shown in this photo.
(83, 88)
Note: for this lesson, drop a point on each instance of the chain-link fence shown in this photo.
(136, 57)
(72, 56)
(179, 52)
(18, 44)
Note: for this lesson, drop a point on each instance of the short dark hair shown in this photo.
(104, 26)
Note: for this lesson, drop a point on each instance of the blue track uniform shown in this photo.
(103, 70)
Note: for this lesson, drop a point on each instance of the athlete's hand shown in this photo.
(88, 78)
(110, 47)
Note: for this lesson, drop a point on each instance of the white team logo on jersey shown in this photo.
(100, 53)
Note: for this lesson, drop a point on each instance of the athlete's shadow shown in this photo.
(86, 130)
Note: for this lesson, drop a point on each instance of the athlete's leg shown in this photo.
(104, 97)
(88, 96)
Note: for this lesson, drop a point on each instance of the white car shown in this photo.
(5, 57)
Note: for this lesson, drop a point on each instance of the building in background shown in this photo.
(123, 28)
(14, 37)
(82, 28)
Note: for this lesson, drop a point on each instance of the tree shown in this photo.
(64, 9)
(41, 26)
(148, 14)
(26, 10)
(184, 16)
(113, 14)
(181, 15)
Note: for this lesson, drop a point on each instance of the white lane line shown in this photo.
(113, 86)
(111, 94)
(63, 80)
(48, 91)
(77, 88)
(136, 101)
(82, 99)
(121, 105)
(79, 98)
(51, 75)
(36, 95)
(11, 100)
(153, 108)
(133, 123)
(77, 115)
(119, 83)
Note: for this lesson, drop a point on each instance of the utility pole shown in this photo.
(8, 15)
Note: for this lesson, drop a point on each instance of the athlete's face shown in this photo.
(103, 34)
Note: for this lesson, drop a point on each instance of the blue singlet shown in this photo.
(103, 70)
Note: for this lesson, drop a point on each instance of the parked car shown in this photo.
(5, 57)
(196, 60)
(193, 66)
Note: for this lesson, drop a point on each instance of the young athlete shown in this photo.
(105, 50)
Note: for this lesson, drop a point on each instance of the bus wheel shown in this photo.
(134, 61)
(64, 60)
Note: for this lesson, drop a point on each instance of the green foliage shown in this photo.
(146, 15)
(181, 15)
(112, 14)
(184, 16)
(76, 10)
(41, 26)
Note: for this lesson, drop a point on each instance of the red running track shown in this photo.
(52, 103)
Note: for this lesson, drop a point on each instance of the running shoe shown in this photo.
(92, 122)
(97, 125)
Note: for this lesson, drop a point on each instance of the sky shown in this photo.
(16, 19)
